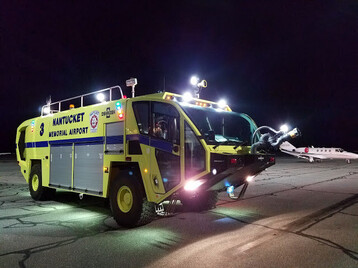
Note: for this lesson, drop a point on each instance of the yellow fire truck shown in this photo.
(139, 151)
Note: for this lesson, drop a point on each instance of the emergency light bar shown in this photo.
(186, 99)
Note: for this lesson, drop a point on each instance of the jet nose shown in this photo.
(354, 156)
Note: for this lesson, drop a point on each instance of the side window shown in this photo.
(194, 153)
(141, 111)
(165, 122)
(21, 144)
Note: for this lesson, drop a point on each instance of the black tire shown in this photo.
(128, 203)
(37, 191)
(201, 201)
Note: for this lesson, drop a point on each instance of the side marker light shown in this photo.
(250, 178)
(230, 189)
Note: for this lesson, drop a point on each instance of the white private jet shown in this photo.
(312, 153)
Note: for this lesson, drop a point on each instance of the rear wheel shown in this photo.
(129, 205)
(37, 191)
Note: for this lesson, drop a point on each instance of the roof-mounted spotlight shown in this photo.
(47, 110)
(284, 128)
(100, 97)
(222, 103)
(194, 80)
(187, 97)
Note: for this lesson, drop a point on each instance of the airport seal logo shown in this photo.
(94, 118)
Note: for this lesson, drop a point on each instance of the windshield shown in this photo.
(221, 127)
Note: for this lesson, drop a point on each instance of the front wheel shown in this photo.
(129, 206)
(37, 191)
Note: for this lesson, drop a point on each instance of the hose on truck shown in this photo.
(270, 142)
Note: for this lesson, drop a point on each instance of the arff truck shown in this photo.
(141, 151)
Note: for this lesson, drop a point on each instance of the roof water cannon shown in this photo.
(270, 142)
(198, 86)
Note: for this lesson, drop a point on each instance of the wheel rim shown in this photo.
(35, 182)
(125, 199)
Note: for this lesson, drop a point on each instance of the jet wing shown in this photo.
(311, 156)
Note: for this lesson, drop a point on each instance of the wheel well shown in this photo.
(119, 169)
(35, 162)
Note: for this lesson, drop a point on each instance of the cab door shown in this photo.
(165, 143)
(159, 127)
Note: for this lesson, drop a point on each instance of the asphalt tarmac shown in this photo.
(295, 214)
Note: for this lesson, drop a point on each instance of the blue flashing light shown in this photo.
(118, 105)
(165, 180)
(130, 173)
(227, 184)
(230, 189)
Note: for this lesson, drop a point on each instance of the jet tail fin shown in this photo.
(287, 146)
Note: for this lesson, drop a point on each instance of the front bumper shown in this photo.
(232, 170)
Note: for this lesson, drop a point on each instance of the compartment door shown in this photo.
(88, 167)
(61, 166)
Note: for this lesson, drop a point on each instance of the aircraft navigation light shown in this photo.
(284, 128)
(222, 103)
(47, 110)
(100, 97)
(194, 80)
(187, 97)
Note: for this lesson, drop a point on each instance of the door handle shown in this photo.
(175, 148)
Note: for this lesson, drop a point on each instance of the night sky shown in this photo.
(278, 61)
